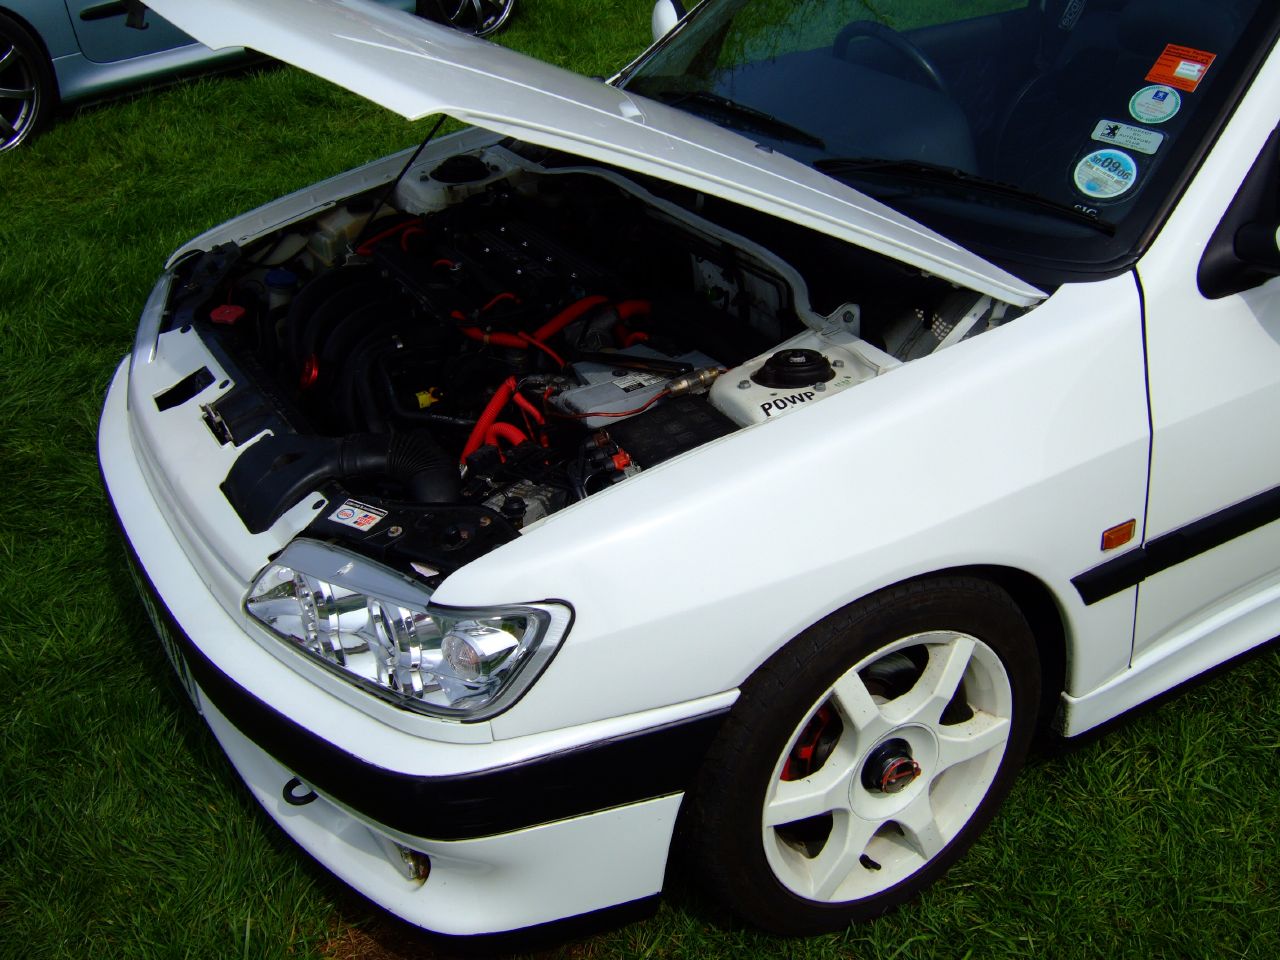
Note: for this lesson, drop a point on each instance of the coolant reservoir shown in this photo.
(801, 371)
(337, 229)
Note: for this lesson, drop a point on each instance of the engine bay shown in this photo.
(500, 337)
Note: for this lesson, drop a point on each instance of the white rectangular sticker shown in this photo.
(637, 381)
(1130, 137)
(353, 513)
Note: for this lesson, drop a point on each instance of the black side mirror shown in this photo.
(1258, 245)
(1245, 249)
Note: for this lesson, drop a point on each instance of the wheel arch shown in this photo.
(998, 605)
(25, 22)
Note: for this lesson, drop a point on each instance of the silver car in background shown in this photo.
(62, 51)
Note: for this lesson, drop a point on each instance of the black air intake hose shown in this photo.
(276, 472)
(417, 460)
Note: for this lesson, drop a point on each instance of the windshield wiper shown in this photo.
(737, 115)
(937, 174)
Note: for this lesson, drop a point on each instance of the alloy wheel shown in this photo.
(19, 94)
(887, 767)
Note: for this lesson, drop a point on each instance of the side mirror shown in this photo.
(666, 14)
(1258, 245)
(1244, 251)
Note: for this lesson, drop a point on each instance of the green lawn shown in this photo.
(123, 832)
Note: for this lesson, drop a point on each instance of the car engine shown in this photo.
(494, 340)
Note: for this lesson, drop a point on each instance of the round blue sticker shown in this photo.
(1106, 174)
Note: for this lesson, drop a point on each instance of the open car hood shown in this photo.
(418, 68)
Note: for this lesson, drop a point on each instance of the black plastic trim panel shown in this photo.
(1185, 543)
(609, 773)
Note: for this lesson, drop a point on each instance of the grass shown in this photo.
(123, 831)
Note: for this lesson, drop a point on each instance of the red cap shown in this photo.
(228, 313)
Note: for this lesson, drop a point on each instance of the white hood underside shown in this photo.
(418, 68)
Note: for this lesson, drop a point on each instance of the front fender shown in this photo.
(1016, 448)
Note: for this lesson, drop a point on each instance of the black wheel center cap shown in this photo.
(890, 768)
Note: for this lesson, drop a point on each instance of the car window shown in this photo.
(764, 30)
(1041, 134)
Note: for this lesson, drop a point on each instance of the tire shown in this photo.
(28, 95)
(866, 756)
(477, 17)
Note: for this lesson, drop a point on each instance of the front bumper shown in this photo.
(518, 832)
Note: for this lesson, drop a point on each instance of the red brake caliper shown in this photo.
(800, 761)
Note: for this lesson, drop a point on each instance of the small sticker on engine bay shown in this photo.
(637, 380)
(358, 515)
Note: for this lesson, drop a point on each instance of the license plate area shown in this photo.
(168, 641)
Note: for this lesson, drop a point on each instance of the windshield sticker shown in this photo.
(1106, 174)
(355, 514)
(1181, 67)
(1155, 104)
(1128, 136)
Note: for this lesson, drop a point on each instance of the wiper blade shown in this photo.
(937, 174)
(738, 115)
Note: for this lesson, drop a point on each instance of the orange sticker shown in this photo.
(1181, 67)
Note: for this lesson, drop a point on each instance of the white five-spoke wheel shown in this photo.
(873, 748)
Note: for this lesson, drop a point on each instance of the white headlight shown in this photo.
(378, 629)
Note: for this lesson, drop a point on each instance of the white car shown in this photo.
(768, 440)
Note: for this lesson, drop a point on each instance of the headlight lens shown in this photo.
(378, 630)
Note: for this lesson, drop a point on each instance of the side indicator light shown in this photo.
(1119, 535)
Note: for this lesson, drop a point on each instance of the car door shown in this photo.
(104, 38)
(1210, 565)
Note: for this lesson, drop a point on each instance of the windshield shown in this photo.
(1049, 135)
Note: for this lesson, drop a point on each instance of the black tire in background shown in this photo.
(28, 95)
(477, 17)
(908, 715)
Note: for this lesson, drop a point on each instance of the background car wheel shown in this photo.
(478, 17)
(866, 756)
(27, 94)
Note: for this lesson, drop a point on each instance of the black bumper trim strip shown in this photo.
(609, 773)
(1177, 546)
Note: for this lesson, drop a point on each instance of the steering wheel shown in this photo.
(891, 38)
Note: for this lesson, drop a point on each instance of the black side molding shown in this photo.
(1176, 546)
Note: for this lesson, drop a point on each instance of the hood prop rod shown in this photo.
(391, 187)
